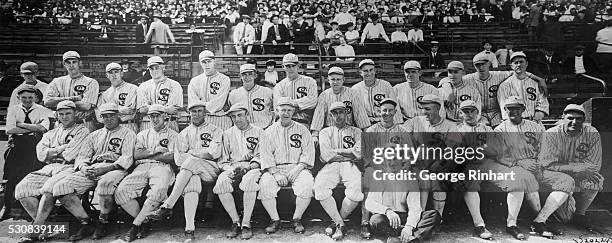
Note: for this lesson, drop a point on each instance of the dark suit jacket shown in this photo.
(304, 33)
(140, 33)
(330, 52)
(546, 69)
(589, 65)
(284, 34)
(437, 62)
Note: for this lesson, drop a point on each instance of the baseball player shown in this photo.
(258, 99)
(374, 91)
(29, 71)
(121, 93)
(410, 93)
(287, 155)
(458, 91)
(355, 105)
(75, 86)
(58, 149)
(25, 124)
(197, 149)
(159, 90)
(240, 164)
(574, 148)
(302, 90)
(340, 152)
(212, 88)
(536, 104)
(102, 162)
(154, 159)
(520, 144)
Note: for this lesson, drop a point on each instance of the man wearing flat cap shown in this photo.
(240, 164)
(58, 149)
(355, 106)
(287, 156)
(244, 36)
(374, 90)
(76, 87)
(122, 94)
(159, 90)
(102, 163)
(29, 71)
(300, 89)
(129, 74)
(25, 125)
(574, 148)
(198, 149)
(212, 88)
(410, 93)
(257, 99)
(458, 91)
(154, 160)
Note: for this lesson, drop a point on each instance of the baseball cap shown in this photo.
(154, 60)
(434, 43)
(335, 70)
(290, 58)
(113, 66)
(468, 104)
(431, 98)
(285, 101)
(27, 88)
(109, 108)
(196, 104)
(517, 54)
(366, 62)
(455, 65)
(247, 68)
(29, 67)
(205, 55)
(412, 65)
(70, 55)
(156, 108)
(237, 107)
(480, 58)
(388, 100)
(337, 105)
(513, 101)
(574, 107)
(66, 104)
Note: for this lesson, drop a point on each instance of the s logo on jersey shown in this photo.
(214, 87)
(296, 140)
(493, 91)
(80, 89)
(395, 140)
(68, 138)
(532, 93)
(163, 95)
(258, 104)
(122, 98)
(114, 144)
(378, 98)
(348, 142)
(301, 92)
(252, 142)
(349, 106)
(205, 138)
(164, 143)
(581, 151)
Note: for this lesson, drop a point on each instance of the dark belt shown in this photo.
(128, 122)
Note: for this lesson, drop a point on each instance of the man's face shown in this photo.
(579, 52)
(248, 78)
(27, 98)
(509, 46)
(573, 121)
(208, 65)
(290, 68)
(339, 117)
(434, 48)
(519, 64)
(125, 66)
(111, 121)
(412, 75)
(482, 67)
(73, 66)
(66, 116)
(285, 112)
(431, 111)
(336, 81)
(387, 111)
(114, 76)
(515, 113)
(198, 114)
(368, 72)
(470, 115)
(326, 45)
(28, 77)
(239, 118)
(157, 71)
(455, 74)
(275, 20)
(549, 52)
(157, 119)
(487, 46)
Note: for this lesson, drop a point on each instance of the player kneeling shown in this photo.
(340, 151)
(153, 157)
(240, 164)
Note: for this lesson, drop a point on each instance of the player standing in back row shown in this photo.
(256, 98)
(301, 90)
(373, 91)
(121, 93)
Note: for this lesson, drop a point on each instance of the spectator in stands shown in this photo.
(548, 65)
(159, 34)
(534, 21)
(327, 50)
(302, 32)
(244, 36)
(142, 29)
(343, 18)
(487, 51)
(399, 40)
(129, 74)
(104, 33)
(373, 33)
(334, 33)
(503, 54)
(278, 36)
(604, 47)
(270, 76)
(435, 60)
(580, 63)
(319, 29)
(344, 50)
(351, 35)
(88, 32)
(415, 37)
(257, 47)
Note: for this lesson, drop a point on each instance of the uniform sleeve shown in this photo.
(218, 101)
(549, 150)
(86, 152)
(192, 95)
(131, 100)
(267, 150)
(216, 147)
(76, 144)
(360, 114)
(143, 99)
(176, 97)
(310, 100)
(318, 119)
(503, 93)
(308, 151)
(52, 91)
(413, 200)
(127, 150)
(257, 151)
(357, 147)
(181, 147)
(542, 102)
(325, 144)
(141, 141)
(593, 156)
(277, 92)
(43, 147)
(91, 92)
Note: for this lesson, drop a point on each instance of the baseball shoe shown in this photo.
(329, 231)
(131, 234)
(85, 231)
(143, 231)
(365, 231)
(100, 232)
(583, 222)
(483, 233)
(246, 233)
(273, 227)
(32, 237)
(339, 234)
(515, 232)
(541, 229)
(161, 213)
(298, 227)
(234, 231)
(189, 235)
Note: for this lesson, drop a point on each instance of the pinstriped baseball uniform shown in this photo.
(42, 86)
(108, 146)
(460, 93)
(488, 92)
(123, 95)
(373, 95)
(475, 137)
(213, 90)
(158, 175)
(351, 98)
(387, 136)
(526, 89)
(86, 87)
(284, 148)
(409, 98)
(236, 145)
(203, 138)
(303, 91)
(58, 167)
(338, 168)
(258, 101)
(166, 92)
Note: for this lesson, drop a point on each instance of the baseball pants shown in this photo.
(205, 171)
(556, 181)
(248, 183)
(78, 183)
(430, 219)
(334, 173)
(159, 176)
(301, 185)
(42, 181)
(524, 180)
